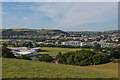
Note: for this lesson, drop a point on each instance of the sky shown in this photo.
(67, 16)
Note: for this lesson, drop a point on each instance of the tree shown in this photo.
(70, 60)
(30, 44)
(97, 47)
(6, 53)
(58, 55)
(46, 58)
(118, 40)
(115, 53)
(83, 58)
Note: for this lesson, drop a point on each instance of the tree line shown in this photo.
(82, 58)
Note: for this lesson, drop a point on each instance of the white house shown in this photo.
(73, 43)
(104, 44)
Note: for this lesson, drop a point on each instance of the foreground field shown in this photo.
(54, 50)
(16, 68)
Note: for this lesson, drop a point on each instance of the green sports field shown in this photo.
(54, 50)
(17, 68)
(4, 40)
(16, 39)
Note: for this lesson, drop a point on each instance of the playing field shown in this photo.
(4, 40)
(17, 68)
(16, 39)
(54, 50)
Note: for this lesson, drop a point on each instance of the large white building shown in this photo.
(79, 43)
(18, 51)
(73, 43)
(104, 44)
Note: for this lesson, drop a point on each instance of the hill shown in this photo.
(50, 31)
(24, 31)
(93, 32)
(16, 68)
(7, 32)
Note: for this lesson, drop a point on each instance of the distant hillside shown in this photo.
(93, 32)
(17, 68)
(51, 31)
(12, 32)
(31, 32)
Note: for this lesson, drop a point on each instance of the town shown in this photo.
(62, 38)
(30, 45)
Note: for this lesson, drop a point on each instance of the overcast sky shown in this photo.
(68, 16)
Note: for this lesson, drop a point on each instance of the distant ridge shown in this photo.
(94, 32)
(25, 31)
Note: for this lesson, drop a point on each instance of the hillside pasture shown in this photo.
(16, 68)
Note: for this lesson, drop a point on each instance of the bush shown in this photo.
(116, 61)
(45, 58)
(6, 53)
(58, 55)
(24, 57)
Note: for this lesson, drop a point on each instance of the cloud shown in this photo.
(76, 14)
(63, 15)
(20, 12)
(61, 1)
(1, 12)
(25, 18)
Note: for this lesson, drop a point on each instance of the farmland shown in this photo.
(54, 50)
(16, 68)
(4, 40)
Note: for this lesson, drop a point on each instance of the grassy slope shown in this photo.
(51, 31)
(54, 50)
(15, 68)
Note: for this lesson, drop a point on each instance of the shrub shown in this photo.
(6, 53)
(45, 58)
(116, 61)
(24, 57)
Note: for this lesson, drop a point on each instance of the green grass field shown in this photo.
(54, 50)
(16, 39)
(16, 68)
(4, 40)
